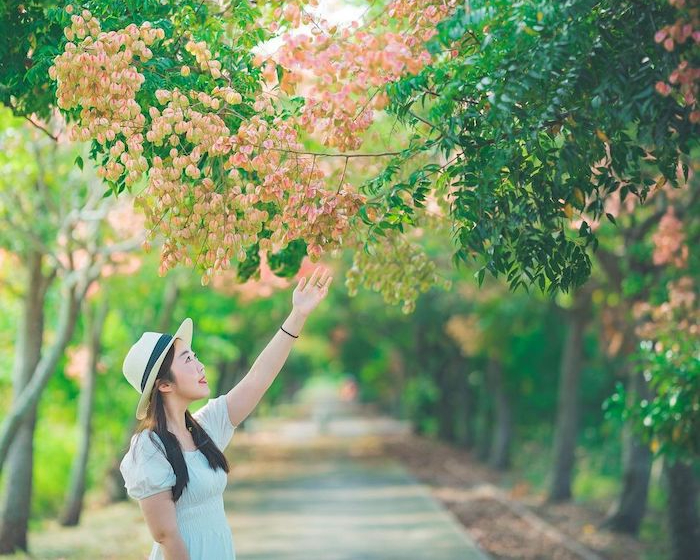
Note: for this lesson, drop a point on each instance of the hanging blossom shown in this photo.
(343, 72)
(198, 171)
(686, 77)
(399, 269)
(98, 76)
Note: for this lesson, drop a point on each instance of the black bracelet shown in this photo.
(290, 334)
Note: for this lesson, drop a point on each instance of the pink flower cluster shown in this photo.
(669, 241)
(339, 69)
(98, 75)
(199, 173)
(204, 58)
(685, 77)
(681, 312)
(225, 220)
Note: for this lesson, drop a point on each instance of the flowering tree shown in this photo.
(664, 297)
(174, 106)
(195, 134)
(174, 100)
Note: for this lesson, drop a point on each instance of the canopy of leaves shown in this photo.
(538, 94)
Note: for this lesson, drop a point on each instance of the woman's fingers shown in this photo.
(328, 283)
(320, 278)
(302, 283)
(324, 276)
(314, 275)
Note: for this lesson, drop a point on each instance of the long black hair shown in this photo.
(155, 421)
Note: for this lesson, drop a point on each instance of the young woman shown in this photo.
(175, 466)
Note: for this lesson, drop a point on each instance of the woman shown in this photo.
(175, 466)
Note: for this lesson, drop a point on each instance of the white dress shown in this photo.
(200, 510)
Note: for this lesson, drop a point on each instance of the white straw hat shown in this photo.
(144, 359)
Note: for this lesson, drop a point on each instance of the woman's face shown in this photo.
(188, 372)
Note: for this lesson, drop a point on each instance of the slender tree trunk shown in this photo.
(223, 367)
(469, 441)
(421, 366)
(171, 295)
(28, 399)
(568, 406)
(74, 500)
(499, 457)
(114, 485)
(397, 370)
(446, 410)
(484, 421)
(17, 492)
(445, 417)
(466, 417)
(231, 372)
(683, 520)
(626, 514)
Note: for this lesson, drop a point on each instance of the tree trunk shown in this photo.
(76, 492)
(446, 405)
(114, 485)
(16, 504)
(24, 402)
(484, 424)
(445, 417)
(683, 520)
(626, 514)
(499, 457)
(397, 371)
(568, 406)
(466, 418)
(423, 408)
(230, 372)
(171, 295)
(17, 494)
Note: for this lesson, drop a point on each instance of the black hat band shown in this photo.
(163, 341)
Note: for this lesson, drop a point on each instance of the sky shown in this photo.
(335, 11)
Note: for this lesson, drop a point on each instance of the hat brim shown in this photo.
(184, 333)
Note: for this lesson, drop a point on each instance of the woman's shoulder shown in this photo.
(214, 418)
(145, 467)
(146, 440)
(145, 448)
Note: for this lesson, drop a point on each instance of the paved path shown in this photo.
(316, 491)
(343, 509)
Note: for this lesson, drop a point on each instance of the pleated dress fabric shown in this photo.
(200, 510)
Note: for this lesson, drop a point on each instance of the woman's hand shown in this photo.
(307, 295)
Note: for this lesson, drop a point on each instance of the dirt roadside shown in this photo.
(510, 524)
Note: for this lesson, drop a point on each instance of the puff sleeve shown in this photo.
(215, 420)
(145, 468)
